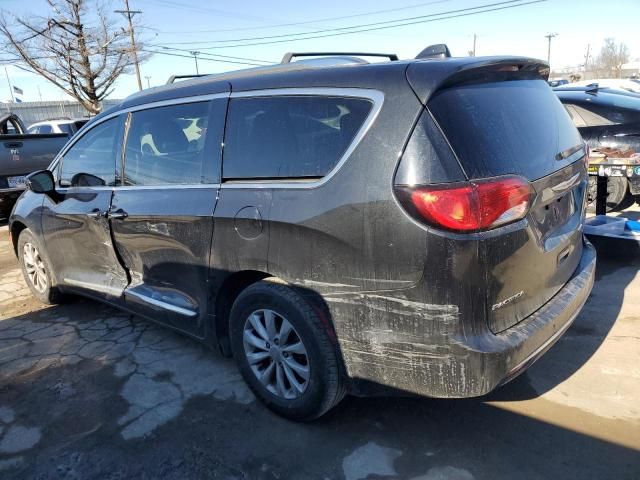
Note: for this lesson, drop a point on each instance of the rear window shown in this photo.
(510, 127)
(65, 128)
(289, 136)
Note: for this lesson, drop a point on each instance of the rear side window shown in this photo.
(45, 129)
(509, 127)
(65, 128)
(166, 145)
(290, 136)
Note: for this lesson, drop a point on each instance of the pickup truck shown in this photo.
(21, 154)
(609, 121)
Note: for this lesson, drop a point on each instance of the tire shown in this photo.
(33, 258)
(618, 195)
(324, 387)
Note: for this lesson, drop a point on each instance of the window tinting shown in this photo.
(290, 136)
(66, 128)
(499, 128)
(91, 160)
(45, 129)
(166, 146)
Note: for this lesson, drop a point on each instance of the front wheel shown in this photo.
(36, 269)
(284, 351)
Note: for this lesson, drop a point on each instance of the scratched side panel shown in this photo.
(396, 297)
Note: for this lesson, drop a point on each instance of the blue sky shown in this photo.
(190, 24)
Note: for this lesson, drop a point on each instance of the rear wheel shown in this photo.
(618, 195)
(284, 352)
(36, 269)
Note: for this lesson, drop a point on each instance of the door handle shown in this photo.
(97, 214)
(119, 214)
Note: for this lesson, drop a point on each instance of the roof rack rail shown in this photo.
(439, 50)
(173, 78)
(290, 55)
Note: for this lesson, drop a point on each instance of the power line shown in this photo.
(319, 20)
(384, 27)
(364, 27)
(211, 54)
(205, 10)
(190, 57)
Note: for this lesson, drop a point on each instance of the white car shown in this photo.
(623, 84)
(58, 126)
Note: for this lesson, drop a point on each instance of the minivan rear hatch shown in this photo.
(501, 124)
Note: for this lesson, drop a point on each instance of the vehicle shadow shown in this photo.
(83, 376)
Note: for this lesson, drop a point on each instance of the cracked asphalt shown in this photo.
(87, 392)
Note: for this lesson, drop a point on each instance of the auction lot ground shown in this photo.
(88, 392)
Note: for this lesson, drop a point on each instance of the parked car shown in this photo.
(20, 155)
(616, 84)
(609, 121)
(338, 227)
(556, 82)
(68, 126)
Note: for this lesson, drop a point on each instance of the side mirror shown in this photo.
(41, 182)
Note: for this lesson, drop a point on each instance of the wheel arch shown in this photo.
(15, 230)
(225, 296)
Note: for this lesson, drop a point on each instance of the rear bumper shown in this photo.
(457, 364)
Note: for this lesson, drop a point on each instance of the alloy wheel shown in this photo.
(276, 354)
(34, 266)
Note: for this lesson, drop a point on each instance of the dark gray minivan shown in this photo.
(337, 226)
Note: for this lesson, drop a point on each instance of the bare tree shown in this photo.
(77, 47)
(612, 57)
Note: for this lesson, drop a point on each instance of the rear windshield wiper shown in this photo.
(569, 151)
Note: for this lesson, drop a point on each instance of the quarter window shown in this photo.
(166, 145)
(289, 136)
(91, 160)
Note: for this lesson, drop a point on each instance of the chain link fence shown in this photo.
(32, 112)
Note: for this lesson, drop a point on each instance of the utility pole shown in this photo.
(13, 99)
(586, 58)
(129, 14)
(195, 57)
(549, 37)
(474, 44)
(148, 77)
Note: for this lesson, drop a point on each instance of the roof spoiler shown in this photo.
(438, 50)
(291, 55)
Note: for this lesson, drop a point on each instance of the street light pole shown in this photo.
(129, 14)
(148, 77)
(549, 37)
(195, 57)
(13, 98)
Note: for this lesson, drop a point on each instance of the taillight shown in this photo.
(470, 206)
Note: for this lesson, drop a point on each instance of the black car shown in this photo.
(339, 227)
(609, 121)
